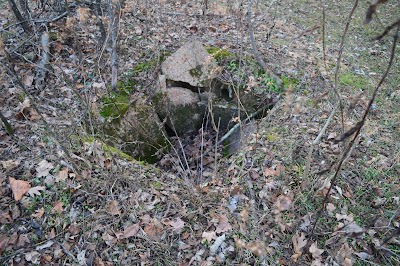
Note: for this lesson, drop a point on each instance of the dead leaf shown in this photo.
(299, 242)
(57, 207)
(38, 213)
(153, 230)
(33, 257)
(223, 224)
(283, 203)
(5, 218)
(19, 188)
(269, 172)
(23, 240)
(15, 212)
(74, 228)
(109, 239)
(131, 231)
(3, 242)
(177, 224)
(62, 175)
(209, 236)
(113, 208)
(316, 253)
(9, 164)
(44, 168)
(36, 191)
(52, 233)
(257, 248)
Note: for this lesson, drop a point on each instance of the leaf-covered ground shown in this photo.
(67, 198)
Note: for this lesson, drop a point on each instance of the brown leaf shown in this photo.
(15, 212)
(10, 164)
(153, 230)
(177, 224)
(269, 172)
(52, 233)
(315, 251)
(38, 213)
(62, 175)
(257, 248)
(299, 242)
(5, 218)
(283, 203)
(131, 231)
(19, 188)
(3, 242)
(209, 236)
(58, 46)
(57, 207)
(23, 240)
(113, 208)
(74, 228)
(223, 224)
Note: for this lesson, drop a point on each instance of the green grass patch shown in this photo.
(218, 53)
(352, 80)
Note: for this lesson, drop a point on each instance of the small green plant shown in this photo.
(218, 53)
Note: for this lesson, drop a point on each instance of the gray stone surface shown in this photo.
(190, 64)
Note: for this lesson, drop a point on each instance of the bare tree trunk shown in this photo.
(24, 22)
(113, 15)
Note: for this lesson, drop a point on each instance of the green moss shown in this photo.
(116, 104)
(271, 137)
(287, 82)
(218, 53)
(196, 72)
(352, 80)
(150, 64)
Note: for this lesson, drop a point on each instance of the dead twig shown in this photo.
(255, 50)
(347, 151)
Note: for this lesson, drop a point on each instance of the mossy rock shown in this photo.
(180, 107)
(139, 131)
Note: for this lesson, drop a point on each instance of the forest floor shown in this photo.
(66, 199)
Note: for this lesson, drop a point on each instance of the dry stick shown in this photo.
(357, 133)
(255, 50)
(323, 38)
(335, 88)
(316, 141)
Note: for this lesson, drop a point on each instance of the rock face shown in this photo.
(180, 108)
(140, 133)
(190, 64)
(188, 89)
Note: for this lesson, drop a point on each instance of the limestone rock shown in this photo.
(140, 132)
(190, 64)
(180, 107)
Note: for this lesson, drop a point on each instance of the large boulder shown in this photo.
(191, 64)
